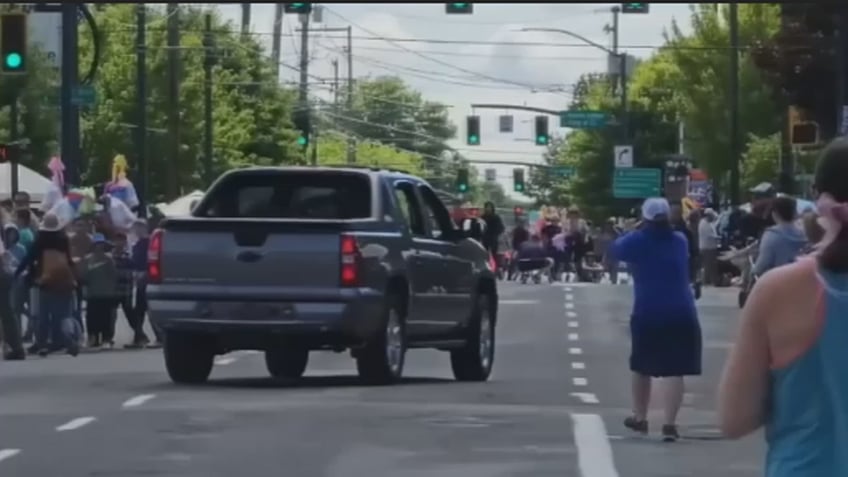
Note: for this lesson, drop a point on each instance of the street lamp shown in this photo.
(622, 58)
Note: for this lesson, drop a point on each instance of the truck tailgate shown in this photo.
(246, 253)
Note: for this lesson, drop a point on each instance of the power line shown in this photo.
(487, 55)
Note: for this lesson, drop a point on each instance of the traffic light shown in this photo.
(459, 8)
(805, 133)
(472, 127)
(518, 180)
(303, 127)
(635, 7)
(542, 137)
(13, 42)
(462, 180)
(297, 8)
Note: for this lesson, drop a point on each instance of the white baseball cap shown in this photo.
(655, 207)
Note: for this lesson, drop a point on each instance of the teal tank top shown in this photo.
(807, 427)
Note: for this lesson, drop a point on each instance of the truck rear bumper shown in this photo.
(253, 324)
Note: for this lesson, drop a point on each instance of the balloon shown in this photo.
(121, 215)
(64, 211)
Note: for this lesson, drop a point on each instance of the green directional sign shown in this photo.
(83, 95)
(584, 119)
(564, 171)
(636, 183)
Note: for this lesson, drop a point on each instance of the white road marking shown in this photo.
(223, 361)
(594, 452)
(586, 398)
(569, 305)
(568, 289)
(518, 302)
(580, 381)
(575, 351)
(573, 324)
(578, 365)
(74, 424)
(137, 400)
(570, 314)
(569, 297)
(573, 337)
(8, 453)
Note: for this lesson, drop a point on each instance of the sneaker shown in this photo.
(669, 433)
(636, 425)
(43, 352)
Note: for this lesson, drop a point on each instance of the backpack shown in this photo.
(56, 272)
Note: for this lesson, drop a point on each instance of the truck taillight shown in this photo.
(349, 253)
(154, 257)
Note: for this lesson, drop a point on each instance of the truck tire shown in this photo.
(381, 361)
(188, 358)
(286, 363)
(474, 361)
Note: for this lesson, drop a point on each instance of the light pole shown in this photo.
(622, 57)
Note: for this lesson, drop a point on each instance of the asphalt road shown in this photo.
(553, 407)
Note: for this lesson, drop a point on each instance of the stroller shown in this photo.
(534, 268)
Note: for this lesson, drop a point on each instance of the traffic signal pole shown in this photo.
(303, 101)
(15, 158)
(208, 62)
(622, 73)
(141, 106)
(734, 106)
(70, 137)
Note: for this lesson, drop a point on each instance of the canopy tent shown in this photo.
(29, 181)
(182, 206)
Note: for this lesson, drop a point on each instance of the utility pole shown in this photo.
(141, 105)
(622, 58)
(734, 105)
(14, 117)
(276, 39)
(70, 77)
(303, 100)
(336, 84)
(351, 142)
(172, 170)
(245, 20)
(208, 63)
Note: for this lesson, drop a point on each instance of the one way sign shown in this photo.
(623, 156)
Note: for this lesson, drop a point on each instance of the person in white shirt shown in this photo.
(708, 241)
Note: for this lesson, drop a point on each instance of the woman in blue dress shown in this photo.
(664, 331)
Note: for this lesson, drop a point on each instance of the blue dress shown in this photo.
(807, 425)
(664, 330)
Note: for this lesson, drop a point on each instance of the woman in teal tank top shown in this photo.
(788, 371)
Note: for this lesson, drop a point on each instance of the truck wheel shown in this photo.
(188, 358)
(381, 360)
(474, 361)
(286, 363)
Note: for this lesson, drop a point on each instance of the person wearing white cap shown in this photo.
(708, 242)
(664, 330)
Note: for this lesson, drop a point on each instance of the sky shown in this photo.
(498, 68)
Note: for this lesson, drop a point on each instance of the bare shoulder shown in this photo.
(784, 288)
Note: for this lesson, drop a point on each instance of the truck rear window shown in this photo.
(289, 195)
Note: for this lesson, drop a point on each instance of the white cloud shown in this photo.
(445, 72)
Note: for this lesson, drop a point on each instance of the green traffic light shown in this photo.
(463, 187)
(519, 188)
(301, 141)
(541, 139)
(14, 60)
(473, 139)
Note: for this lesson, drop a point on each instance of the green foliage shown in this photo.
(332, 151)
(761, 160)
(251, 114)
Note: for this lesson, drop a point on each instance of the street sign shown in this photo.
(84, 95)
(564, 171)
(505, 123)
(584, 119)
(636, 183)
(623, 156)
(491, 175)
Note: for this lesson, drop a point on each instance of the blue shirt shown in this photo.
(532, 251)
(658, 261)
(807, 424)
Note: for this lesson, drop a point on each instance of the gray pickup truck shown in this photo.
(293, 260)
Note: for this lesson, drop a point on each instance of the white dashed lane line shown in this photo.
(573, 324)
(137, 400)
(578, 365)
(569, 305)
(586, 398)
(573, 337)
(575, 351)
(569, 297)
(570, 314)
(580, 382)
(6, 454)
(75, 424)
(594, 452)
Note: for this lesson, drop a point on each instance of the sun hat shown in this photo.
(654, 208)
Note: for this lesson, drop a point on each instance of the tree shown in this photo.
(761, 160)
(332, 151)
(251, 115)
(545, 186)
(700, 88)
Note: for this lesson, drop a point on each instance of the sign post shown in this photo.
(636, 183)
